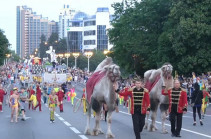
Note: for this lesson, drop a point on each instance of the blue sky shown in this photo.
(48, 8)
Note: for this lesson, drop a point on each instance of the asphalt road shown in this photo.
(70, 125)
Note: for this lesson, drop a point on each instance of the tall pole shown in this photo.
(88, 55)
(88, 64)
(67, 62)
(75, 62)
(76, 55)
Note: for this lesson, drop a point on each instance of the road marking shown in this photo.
(83, 137)
(60, 118)
(67, 124)
(187, 130)
(124, 113)
(57, 115)
(75, 130)
(170, 125)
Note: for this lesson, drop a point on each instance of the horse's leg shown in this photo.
(154, 108)
(109, 133)
(97, 124)
(99, 128)
(163, 109)
(87, 130)
(146, 122)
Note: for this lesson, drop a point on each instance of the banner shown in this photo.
(55, 78)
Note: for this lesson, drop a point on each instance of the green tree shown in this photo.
(135, 33)
(14, 56)
(4, 44)
(186, 41)
(43, 47)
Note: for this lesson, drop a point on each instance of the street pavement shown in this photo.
(70, 125)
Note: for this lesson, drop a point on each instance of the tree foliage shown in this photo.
(187, 36)
(60, 45)
(4, 46)
(149, 33)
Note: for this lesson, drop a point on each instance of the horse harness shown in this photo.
(112, 76)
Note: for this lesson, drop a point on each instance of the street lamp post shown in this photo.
(7, 58)
(88, 55)
(76, 55)
(67, 55)
(60, 56)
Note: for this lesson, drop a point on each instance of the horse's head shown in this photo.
(113, 72)
(167, 69)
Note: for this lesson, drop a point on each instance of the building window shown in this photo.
(89, 23)
(89, 33)
(102, 38)
(89, 42)
(75, 41)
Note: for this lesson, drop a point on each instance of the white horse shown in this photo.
(160, 77)
(103, 92)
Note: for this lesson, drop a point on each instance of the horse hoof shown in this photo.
(165, 132)
(95, 132)
(110, 135)
(152, 128)
(100, 131)
(146, 127)
(87, 132)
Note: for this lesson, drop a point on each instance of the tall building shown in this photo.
(30, 27)
(64, 20)
(89, 32)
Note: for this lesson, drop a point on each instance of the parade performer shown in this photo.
(196, 102)
(60, 95)
(14, 102)
(33, 100)
(2, 93)
(73, 95)
(140, 105)
(23, 99)
(84, 100)
(177, 106)
(31, 92)
(120, 99)
(68, 96)
(52, 103)
(206, 95)
(38, 94)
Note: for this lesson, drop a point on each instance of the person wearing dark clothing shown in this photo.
(196, 101)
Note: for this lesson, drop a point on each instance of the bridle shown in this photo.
(112, 76)
(167, 71)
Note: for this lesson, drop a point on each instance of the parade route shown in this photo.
(70, 125)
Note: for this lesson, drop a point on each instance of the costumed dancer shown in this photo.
(177, 106)
(52, 103)
(120, 99)
(73, 95)
(2, 93)
(31, 92)
(84, 101)
(205, 99)
(140, 105)
(14, 102)
(60, 95)
(68, 96)
(38, 94)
